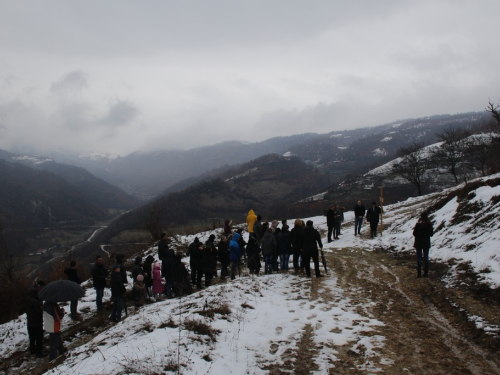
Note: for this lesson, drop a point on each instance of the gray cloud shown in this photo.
(120, 113)
(73, 81)
(185, 74)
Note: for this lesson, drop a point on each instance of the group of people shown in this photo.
(168, 276)
(43, 316)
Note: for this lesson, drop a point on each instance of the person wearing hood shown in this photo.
(158, 287)
(210, 260)
(166, 271)
(223, 256)
(117, 293)
(284, 247)
(34, 317)
(162, 246)
(234, 254)
(99, 280)
(147, 268)
(227, 227)
(193, 258)
(121, 263)
(72, 275)
(139, 292)
(251, 219)
(311, 239)
(253, 251)
(269, 250)
(53, 314)
(138, 268)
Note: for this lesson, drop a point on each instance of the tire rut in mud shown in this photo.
(424, 332)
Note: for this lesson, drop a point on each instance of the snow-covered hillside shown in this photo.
(253, 325)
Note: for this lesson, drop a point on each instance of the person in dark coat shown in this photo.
(311, 239)
(120, 261)
(223, 256)
(330, 221)
(162, 246)
(373, 217)
(284, 242)
(72, 275)
(253, 252)
(147, 269)
(227, 227)
(139, 292)
(269, 249)
(193, 252)
(296, 240)
(359, 214)
(423, 232)
(138, 268)
(258, 230)
(117, 294)
(234, 254)
(99, 276)
(339, 218)
(199, 265)
(210, 260)
(180, 277)
(34, 316)
(166, 271)
(242, 244)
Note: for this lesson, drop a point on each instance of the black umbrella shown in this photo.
(61, 291)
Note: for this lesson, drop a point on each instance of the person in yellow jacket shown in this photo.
(251, 219)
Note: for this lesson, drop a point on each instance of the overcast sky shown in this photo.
(119, 76)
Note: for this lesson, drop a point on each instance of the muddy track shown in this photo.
(425, 328)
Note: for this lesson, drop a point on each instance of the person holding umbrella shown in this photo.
(57, 291)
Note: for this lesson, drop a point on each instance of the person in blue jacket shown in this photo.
(234, 254)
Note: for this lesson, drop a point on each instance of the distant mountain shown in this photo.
(267, 184)
(96, 190)
(32, 200)
(147, 174)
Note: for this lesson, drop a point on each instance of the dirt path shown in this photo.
(426, 329)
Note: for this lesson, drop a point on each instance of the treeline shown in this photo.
(462, 153)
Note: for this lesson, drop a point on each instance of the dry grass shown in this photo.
(201, 328)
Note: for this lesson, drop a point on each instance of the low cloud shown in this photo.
(120, 113)
(72, 81)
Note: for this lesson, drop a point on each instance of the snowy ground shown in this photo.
(256, 323)
(259, 324)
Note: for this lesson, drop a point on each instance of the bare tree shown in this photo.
(495, 113)
(452, 151)
(414, 163)
(153, 221)
(478, 150)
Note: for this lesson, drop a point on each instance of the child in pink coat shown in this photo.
(158, 281)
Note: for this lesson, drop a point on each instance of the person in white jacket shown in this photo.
(53, 315)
